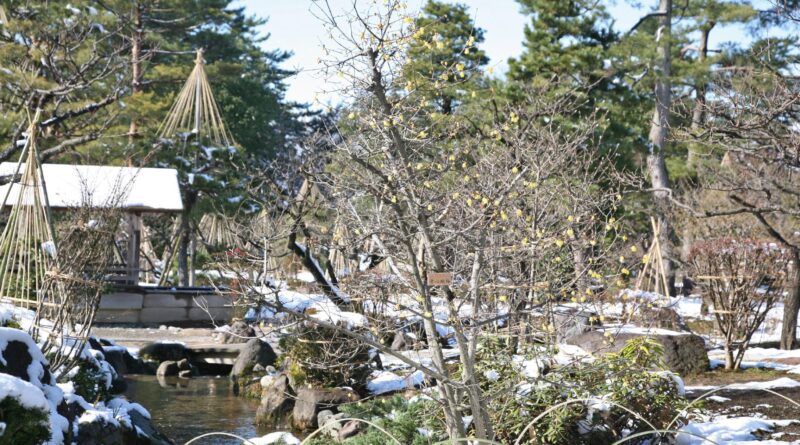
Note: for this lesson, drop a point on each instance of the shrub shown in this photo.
(630, 378)
(91, 381)
(23, 426)
(403, 420)
(322, 357)
(742, 280)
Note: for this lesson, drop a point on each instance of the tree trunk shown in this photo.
(698, 114)
(183, 251)
(659, 129)
(792, 306)
(728, 357)
(136, 64)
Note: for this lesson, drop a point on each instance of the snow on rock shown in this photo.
(727, 430)
(387, 381)
(275, 438)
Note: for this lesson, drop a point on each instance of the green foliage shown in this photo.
(398, 417)
(23, 426)
(443, 57)
(325, 358)
(630, 378)
(90, 382)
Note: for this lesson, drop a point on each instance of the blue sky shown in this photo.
(292, 27)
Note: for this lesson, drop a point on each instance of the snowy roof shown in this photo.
(130, 188)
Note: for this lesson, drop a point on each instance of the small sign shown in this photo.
(440, 278)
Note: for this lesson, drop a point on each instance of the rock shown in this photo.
(310, 401)
(401, 342)
(123, 361)
(570, 323)
(238, 332)
(118, 385)
(96, 430)
(160, 352)
(167, 368)
(277, 401)
(350, 429)
(684, 354)
(17, 358)
(662, 318)
(329, 423)
(185, 374)
(255, 352)
(145, 425)
(184, 365)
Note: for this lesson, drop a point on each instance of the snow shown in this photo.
(762, 358)
(783, 382)
(387, 381)
(730, 431)
(274, 438)
(317, 306)
(36, 368)
(69, 186)
(98, 416)
(718, 399)
(26, 394)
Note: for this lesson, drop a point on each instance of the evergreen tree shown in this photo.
(444, 57)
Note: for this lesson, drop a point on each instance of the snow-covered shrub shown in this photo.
(517, 391)
(24, 412)
(742, 280)
(93, 379)
(322, 357)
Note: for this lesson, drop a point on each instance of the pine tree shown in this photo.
(444, 57)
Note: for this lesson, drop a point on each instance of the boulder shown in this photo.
(684, 354)
(123, 361)
(571, 322)
(17, 358)
(168, 368)
(310, 401)
(329, 423)
(662, 318)
(255, 352)
(402, 342)
(277, 401)
(160, 352)
(184, 365)
(350, 429)
(97, 430)
(144, 425)
(238, 332)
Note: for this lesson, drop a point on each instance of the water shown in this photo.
(183, 409)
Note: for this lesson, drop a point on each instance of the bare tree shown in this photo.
(476, 216)
(751, 133)
(742, 279)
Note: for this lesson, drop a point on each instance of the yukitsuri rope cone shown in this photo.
(195, 110)
(27, 245)
(652, 277)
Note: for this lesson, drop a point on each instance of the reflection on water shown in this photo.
(183, 409)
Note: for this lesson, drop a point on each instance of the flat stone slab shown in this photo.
(121, 300)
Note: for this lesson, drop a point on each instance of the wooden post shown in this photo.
(134, 246)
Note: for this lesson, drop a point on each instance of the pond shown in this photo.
(185, 408)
